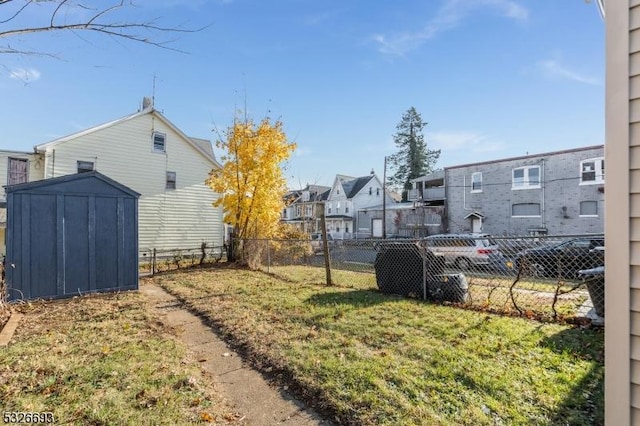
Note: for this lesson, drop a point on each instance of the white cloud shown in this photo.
(302, 152)
(458, 141)
(554, 69)
(24, 74)
(448, 17)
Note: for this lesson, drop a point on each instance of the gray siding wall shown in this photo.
(560, 177)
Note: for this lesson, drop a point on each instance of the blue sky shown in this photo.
(492, 78)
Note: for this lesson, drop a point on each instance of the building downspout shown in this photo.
(464, 199)
(464, 193)
(384, 200)
(543, 183)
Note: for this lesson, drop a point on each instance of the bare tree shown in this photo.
(78, 16)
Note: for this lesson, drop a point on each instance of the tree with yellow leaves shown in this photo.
(251, 181)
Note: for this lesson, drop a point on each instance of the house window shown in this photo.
(378, 192)
(171, 180)
(525, 210)
(476, 182)
(526, 177)
(18, 171)
(592, 171)
(159, 142)
(346, 229)
(329, 208)
(346, 210)
(85, 166)
(588, 209)
(370, 191)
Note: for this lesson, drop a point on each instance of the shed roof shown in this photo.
(79, 183)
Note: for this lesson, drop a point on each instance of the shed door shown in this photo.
(376, 228)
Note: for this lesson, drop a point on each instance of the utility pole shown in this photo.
(384, 200)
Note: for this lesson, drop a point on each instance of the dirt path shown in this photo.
(256, 401)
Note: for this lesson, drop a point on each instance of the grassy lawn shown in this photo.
(373, 359)
(104, 360)
(485, 291)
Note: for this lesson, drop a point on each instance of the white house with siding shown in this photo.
(349, 195)
(150, 155)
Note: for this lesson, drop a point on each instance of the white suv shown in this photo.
(463, 250)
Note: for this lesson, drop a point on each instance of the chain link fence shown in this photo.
(543, 277)
(152, 261)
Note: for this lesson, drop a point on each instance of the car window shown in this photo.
(578, 244)
(487, 242)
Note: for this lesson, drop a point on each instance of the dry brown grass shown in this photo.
(105, 359)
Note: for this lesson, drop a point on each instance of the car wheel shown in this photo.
(463, 264)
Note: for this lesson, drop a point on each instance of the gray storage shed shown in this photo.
(71, 235)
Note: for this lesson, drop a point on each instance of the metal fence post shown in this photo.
(424, 278)
(268, 255)
(153, 263)
(325, 247)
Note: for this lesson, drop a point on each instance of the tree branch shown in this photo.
(17, 13)
(95, 23)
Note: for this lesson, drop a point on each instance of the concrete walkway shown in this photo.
(6, 333)
(254, 399)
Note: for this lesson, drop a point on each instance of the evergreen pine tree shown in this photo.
(413, 158)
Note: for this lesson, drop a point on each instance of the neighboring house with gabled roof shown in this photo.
(150, 155)
(349, 195)
(303, 207)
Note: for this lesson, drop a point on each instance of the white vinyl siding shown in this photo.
(168, 219)
(622, 224)
(634, 211)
